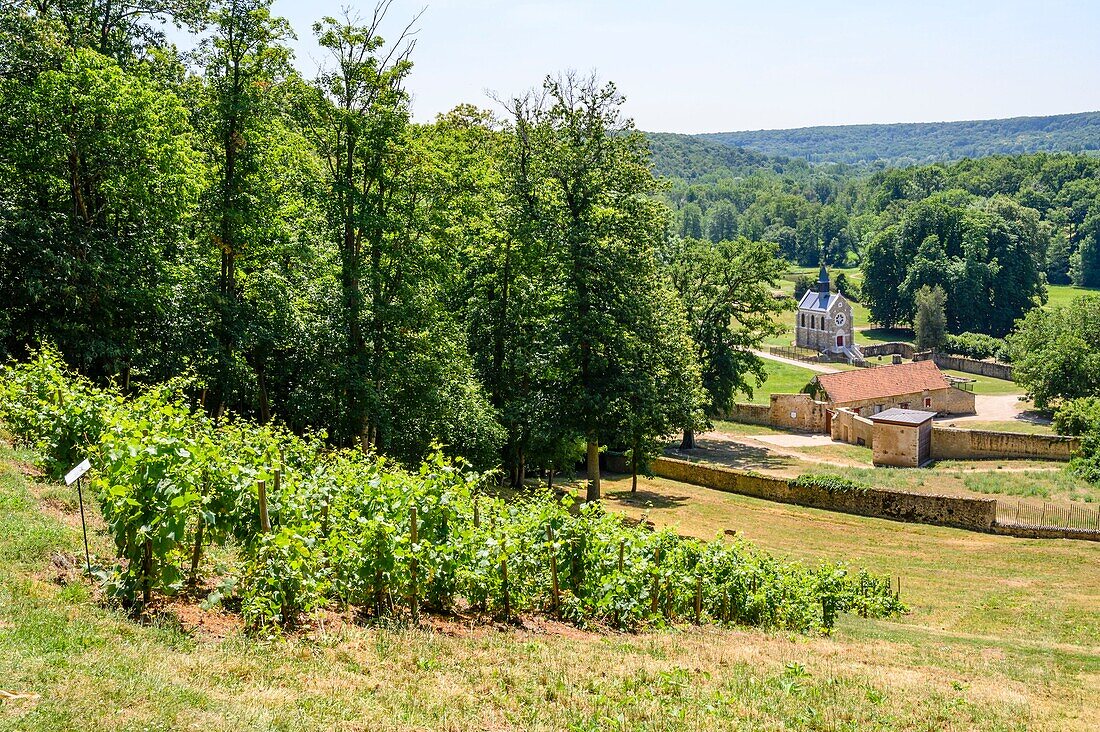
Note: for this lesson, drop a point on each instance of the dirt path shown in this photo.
(999, 408)
(779, 454)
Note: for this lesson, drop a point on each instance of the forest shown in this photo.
(524, 285)
(500, 282)
(923, 142)
(992, 231)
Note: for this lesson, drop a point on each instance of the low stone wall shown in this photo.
(992, 369)
(749, 414)
(951, 443)
(1044, 532)
(905, 350)
(786, 411)
(966, 513)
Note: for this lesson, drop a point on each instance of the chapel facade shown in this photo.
(824, 320)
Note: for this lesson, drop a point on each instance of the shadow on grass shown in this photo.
(733, 455)
(887, 335)
(645, 499)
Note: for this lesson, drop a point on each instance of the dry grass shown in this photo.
(1002, 636)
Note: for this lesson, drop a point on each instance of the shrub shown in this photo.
(977, 345)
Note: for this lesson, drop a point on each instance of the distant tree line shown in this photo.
(991, 232)
(922, 142)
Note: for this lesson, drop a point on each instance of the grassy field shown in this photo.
(1065, 294)
(1002, 636)
(782, 379)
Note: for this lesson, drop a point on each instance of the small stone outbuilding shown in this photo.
(902, 438)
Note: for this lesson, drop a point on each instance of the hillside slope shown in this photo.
(907, 143)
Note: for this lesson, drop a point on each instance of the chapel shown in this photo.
(824, 321)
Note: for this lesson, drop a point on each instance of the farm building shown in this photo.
(902, 437)
(917, 385)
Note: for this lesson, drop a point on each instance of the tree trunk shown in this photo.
(688, 443)
(634, 471)
(550, 477)
(593, 470)
(265, 404)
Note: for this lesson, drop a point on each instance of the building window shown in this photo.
(928, 401)
(904, 405)
(803, 320)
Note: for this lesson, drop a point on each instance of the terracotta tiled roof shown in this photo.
(882, 382)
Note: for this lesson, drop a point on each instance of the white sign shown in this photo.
(76, 472)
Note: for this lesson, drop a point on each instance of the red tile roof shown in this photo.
(882, 382)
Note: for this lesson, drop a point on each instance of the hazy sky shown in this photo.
(709, 66)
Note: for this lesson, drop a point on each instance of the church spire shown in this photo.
(823, 281)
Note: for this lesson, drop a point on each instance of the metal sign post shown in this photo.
(77, 474)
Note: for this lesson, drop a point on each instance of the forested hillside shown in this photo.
(991, 231)
(924, 142)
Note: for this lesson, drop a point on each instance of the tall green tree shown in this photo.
(244, 126)
(583, 176)
(726, 289)
(930, 322)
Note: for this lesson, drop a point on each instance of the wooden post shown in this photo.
(504, 586)
(477, 516)
(265, 521)
(202, 399)
(553, 569)
(620, 556)
(656, 585)
(698, 598)
(415, 600)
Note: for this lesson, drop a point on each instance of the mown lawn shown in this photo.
(782, 379)
(1065, 294)
(1002, 637)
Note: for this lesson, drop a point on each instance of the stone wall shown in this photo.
(950, 443)
(797, 412)
(847, 426)
(992, 369)
(967, 513)
(749, 414)
(905, 350)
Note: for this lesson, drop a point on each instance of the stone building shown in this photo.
(824, 321)
(916, 385)
(902, 437)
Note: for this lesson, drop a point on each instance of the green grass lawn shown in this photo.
(987, 385)
(782, 379)
(1065, 294)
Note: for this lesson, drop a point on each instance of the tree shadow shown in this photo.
(732, 454)
(645, 499)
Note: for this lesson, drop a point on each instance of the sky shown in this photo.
(711, 66)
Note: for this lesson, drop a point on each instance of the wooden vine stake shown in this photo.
(477, 516)
(656, 581)
(507, 597)
(554, 571)
(698, 599)
(265, 520)
(620, 556)
(415, 600)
